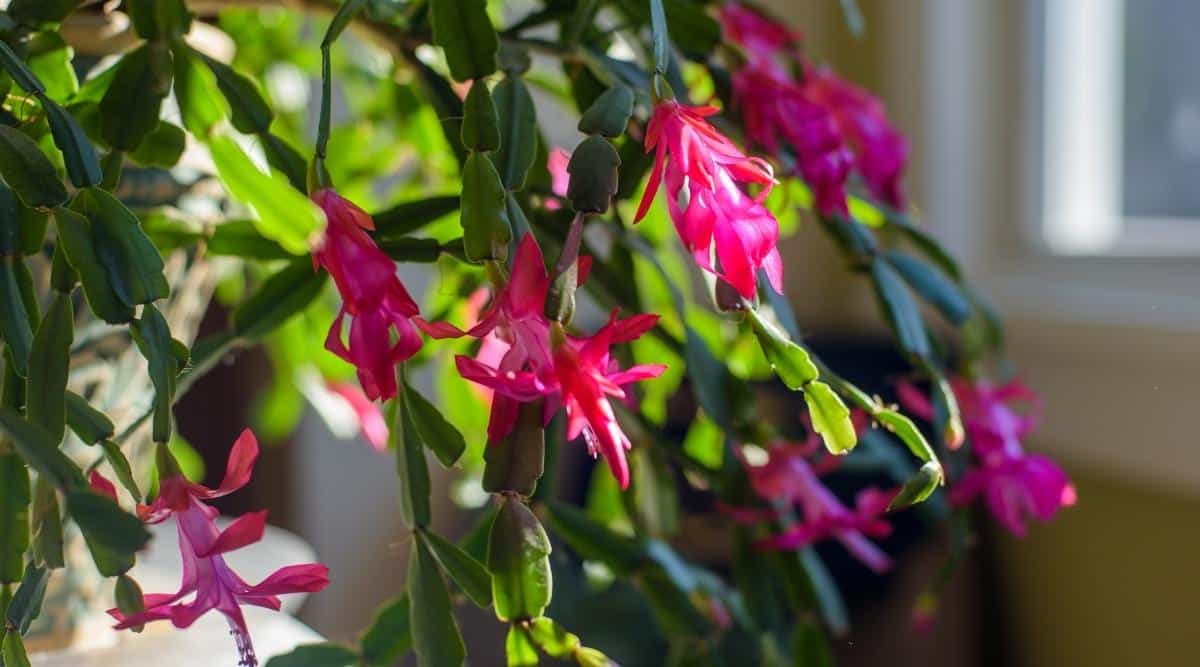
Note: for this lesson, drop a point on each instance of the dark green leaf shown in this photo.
(249, 112)
(240, 238)
(673, 609)
(316, 655)
(135, 269)
(121, 468)
(408, 217)
(105, 523)
(809, 647)
(12, 651)
(283, 215)
(17, 69)
(825, 592)
(691, 28)
(901, 309)
(435, 634)
(28, 171)
(153, 338)
(283, 295)
(518, 129)
(516, 463)
(756, 581)
(432, 428)
(519, 648)
(409, 249)
(462, 28)
(88, 423)
(36, 12)
(50, 354)
(660, 36)
(518, 558)
(935, 288)
(711, 380)
(485, 232)
(83, 167)
(75, 237)
(928, 246)
(39, 450)
(470, 575)
(14, 318)
(200, 106)
(345, 14)
(830, 417)
(14, 517)
(162, 147)
(610, 113)
(285, 159)
(481, 122)
(130, 107)
(158, 19)
(593, 171)
(410, 468)
(390, 634)
(594, 541)
(47, 526)
(26, 602)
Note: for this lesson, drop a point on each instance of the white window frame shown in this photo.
(1112, 337)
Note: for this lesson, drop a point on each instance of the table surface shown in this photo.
(207, 642)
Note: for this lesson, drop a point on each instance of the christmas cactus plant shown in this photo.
(623, 293)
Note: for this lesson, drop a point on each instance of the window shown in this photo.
(1120, 127)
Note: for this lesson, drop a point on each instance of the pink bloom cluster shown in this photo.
(1014, 485)
(521, 360)
(372, 295)
(788, 478)
(830, 126)
(718, 212)
(202, 545)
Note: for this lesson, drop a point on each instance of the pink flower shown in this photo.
(880, 152)
(556, 163)
(718, 211)
(587, 376)
(372, 295)
(371, 423)
(201, 545)
(1014, 485)
(576, 373)
(775, 111)
(787, 478)
(761, 37)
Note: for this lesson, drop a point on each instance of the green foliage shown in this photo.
(464, 31)
(518, 559)
(436, 638)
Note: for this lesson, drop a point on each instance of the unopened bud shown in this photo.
(129, 598)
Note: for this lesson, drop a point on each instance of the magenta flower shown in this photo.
(776, 112)
(576, 373)
(372, 295)
(556, 163)
(718, 212)
(371, 423)
(880, 152)
(787, 478)
(759, 36)
(201, 545)
(1014, 485)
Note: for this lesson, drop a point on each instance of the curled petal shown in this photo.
(245, 530)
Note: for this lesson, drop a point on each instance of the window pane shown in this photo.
(1162, 109)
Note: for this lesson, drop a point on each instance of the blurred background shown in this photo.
(1056, 150)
